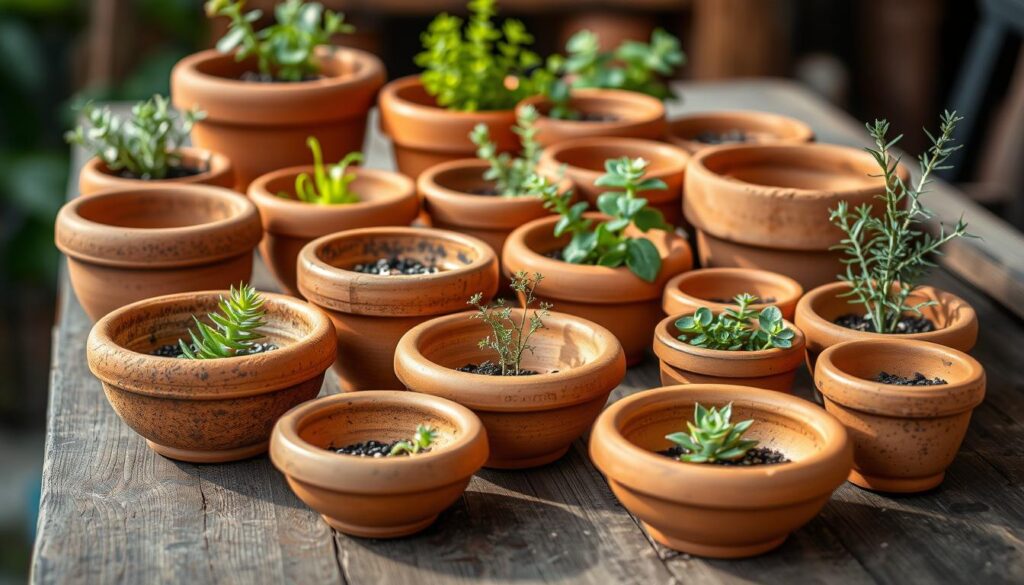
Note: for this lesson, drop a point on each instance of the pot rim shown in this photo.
(674, 287)
(799, 131)
(648, 108)
(676, 158)
(392, 93)
(218, 165)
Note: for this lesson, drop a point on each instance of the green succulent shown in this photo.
(510, 173)
(233, 330)
(732, 329)
(712, 437)
(327, 186)
(421, 441)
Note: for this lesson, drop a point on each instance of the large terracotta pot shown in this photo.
(124, 246)
(96, 176)
(263, 127)
(707, 287)
(903, 437)
(711, 510)
(383, 497)
(530, 420)
(213, 410)
(688, 131)
(385, 198)
(614, 298)
(372, 312)
(636, 116)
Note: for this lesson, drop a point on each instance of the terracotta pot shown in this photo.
(692, 290)
(377, 497)
(956, 324)
(386, 198)
(614, 298)
(424, 134)
(682, 363)
(711, 510)
(96, 177)
(215, 410)
(583, 162)
(124, 246)
(637, 116)
(372, 312)
(903, 437)
(757, 127)
(530, 420)
(263, 127)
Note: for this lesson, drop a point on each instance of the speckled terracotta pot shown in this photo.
(530, 420)
(124, 246)
(207, 411)
(96, 177)
(384, 497)
(372, 312)
(385, 198)
(692, 290)
(904, 437)
(710, 510)
(636, 116)
(757, 128)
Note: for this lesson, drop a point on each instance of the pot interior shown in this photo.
(942, 314)
(464, 180)
(723, 287)
(616, 109)
(189, 160)
(796, 167)
(345, 251)
(158, 209)
(662, 158)
(368, 188)
(343, 423)
(867, 360)
(755, 129)
(225, 66)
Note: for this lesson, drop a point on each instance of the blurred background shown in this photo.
(902, 60)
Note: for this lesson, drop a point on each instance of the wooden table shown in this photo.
(115, 512)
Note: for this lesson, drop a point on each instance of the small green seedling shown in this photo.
(510, 337)
(712, 437)
(327, 186)
(421, 441)
(732, 330)
(510, 174)
(234, 327)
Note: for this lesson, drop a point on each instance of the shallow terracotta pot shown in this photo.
(96, 176)
(207, 411)
(716, 511)
(385, 198)
(377, 497)
(530, 420)
(372, 312)
(263, 127)
(614, 298)
(637, 116)
(757, 127)
(706, 287)
(124, 246)
(904, 437)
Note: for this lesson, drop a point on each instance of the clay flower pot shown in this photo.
(124, 246)
(213, 410)
(706, 287)
(385, 198)
(263, 127)
(614, 298)
(530, 420)
(96, 177)
(711, 510)
(372, 312)
(424, 134)
(904, 437)
(692, 131)
(583, 162)
(682, 363)
(383, 497)
(635, 115)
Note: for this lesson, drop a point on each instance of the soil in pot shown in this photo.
(489, 368)
(198, 167)
(755, 456)
(608, 113)
(918, 379)
(395, 266)
(695, 132)
(907, 324)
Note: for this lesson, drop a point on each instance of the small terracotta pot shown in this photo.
(124, 246)
(711, 510)
(263, 127)
(757, 127)
(96, 176)
(583, 161)
(385, 198)
(904, 437)
(530, 420)
(377, 497)
(682, 363)
(215, 410)
(372, 312)
(692, 290)
(637, 116)
(614, 298)
(424, 134)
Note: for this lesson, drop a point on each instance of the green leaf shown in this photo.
(643, 259)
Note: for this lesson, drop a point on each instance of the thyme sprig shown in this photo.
(510, 336)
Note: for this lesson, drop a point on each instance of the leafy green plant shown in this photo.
(510, 173)
(887, 255)
(421, 441)
(327, 186)
(144, 145)
(732, 329)
(712, 437)
(510, 337)
(284, 50)
(234, 327)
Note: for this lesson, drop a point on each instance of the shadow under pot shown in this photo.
(372, 311)
(385, 198)
(530, 419)
(904, 436)
(377, 497)
(701, 130)
(715, 510)
(208, 410)
(124, 246)
(715, 288)
(603, 113)
(199, 166)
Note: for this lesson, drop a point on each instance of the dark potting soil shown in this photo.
(490, 368)
(765, 300)
(907, 324)
(174, 350)
(490, 191)
(396, 267)
(918, 380)
(596, 117)
(727, 137)
(370, 449)
(756, 456)
(172, 173)
(257, 77)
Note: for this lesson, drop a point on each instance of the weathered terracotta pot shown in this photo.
(711, 510)
(705, 287)
(904, 437)
(614, 298)
(289, 224)
(263, 127)
(124, 246)
(636, 116)
(757, 127)
(215, 410)
(377, 497)
(372, 312)
(96, 177)
(583, 162)
(530, 420)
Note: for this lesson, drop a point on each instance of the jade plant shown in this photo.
(509, 173)
(421, 441)
(712, 436)
(510, 335)
(327, 186)
(234, 330)
(733, 329)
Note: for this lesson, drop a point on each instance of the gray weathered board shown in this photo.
(112, 511)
